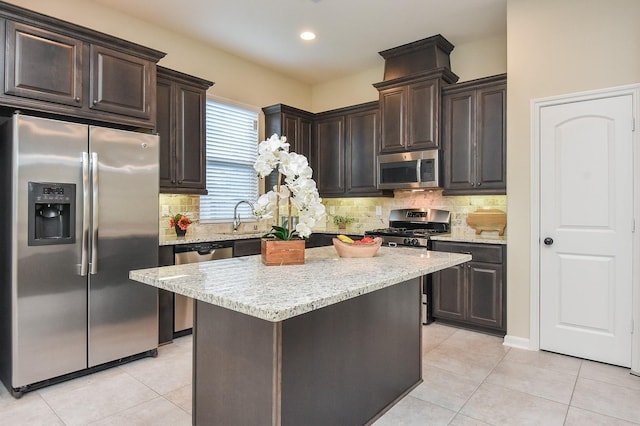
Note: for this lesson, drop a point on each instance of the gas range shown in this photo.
(412, 227)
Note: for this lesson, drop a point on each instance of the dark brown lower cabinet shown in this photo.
(473, 294)
(165, 300)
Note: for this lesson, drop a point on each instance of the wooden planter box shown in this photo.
(278, 252)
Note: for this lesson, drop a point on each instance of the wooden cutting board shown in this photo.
(488, 220)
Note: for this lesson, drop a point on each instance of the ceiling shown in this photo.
(350, 33)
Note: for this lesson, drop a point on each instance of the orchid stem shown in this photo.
(278, 197)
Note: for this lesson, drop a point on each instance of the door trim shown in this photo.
(536, 107)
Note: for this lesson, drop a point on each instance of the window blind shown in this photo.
(232, 149)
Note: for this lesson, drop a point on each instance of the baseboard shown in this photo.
(516, 342)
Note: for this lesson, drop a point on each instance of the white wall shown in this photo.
(555, 47)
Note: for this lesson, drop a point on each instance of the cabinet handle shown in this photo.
(479, 183)
(95, 102)
(180, 181)
(173, 181)
(473, 184)
(77, 98)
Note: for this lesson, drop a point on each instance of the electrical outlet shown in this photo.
(378, 210)
(165, 210)
(332, 210)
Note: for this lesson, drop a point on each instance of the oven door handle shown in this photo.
(392, 244)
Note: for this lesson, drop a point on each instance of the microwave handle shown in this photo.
(419, 171)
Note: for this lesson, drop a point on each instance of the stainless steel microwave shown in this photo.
(407, 170)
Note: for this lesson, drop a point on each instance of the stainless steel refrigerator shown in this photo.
(79, 210)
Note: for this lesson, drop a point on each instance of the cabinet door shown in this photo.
(305, 139)
(165, 127)
(330, 155)
(298, 132)
(459, 140)
(485, 282)
(392, 112)
(43, 65)
(491, 138)
(122, 84)
(190, 137)
(422, 115)
(248, 247)
(361, 143)
(449, 293)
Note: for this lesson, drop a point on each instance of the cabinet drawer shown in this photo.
(479, 252)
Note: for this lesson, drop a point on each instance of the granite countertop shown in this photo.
(276, 293)
(210, 237)
(227, 236)
(472, 238)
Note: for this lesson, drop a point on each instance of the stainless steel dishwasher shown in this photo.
(194, 253)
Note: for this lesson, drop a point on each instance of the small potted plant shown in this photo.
(342, 221)
(295, 190)
(180, 222)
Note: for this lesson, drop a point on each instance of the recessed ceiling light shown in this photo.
(307, 35)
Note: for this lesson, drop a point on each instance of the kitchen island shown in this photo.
(333, 341)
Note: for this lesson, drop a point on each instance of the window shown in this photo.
(232, 148)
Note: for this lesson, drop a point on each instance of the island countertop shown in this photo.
(277, 293)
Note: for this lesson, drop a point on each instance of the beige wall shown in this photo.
(480, 58)
(234, 77)
(555, 47)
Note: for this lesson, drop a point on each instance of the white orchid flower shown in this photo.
(298, 187)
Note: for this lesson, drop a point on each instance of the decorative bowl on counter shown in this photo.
(357, 250)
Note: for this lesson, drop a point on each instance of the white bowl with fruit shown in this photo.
(348, 247)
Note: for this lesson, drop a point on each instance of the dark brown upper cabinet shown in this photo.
(55, 67)
(122, 84)
(27, 75)
(330, 155)
(341, 146)
(293, 123)
(474, 137)
(410, 94)
(410, 116)
(346, 146)
(181, 112)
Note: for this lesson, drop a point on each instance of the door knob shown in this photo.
(548, 241)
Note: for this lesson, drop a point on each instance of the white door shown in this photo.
(586, 227)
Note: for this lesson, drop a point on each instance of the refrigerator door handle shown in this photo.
(93, 266)
(84, 256)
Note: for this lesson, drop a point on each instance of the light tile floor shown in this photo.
(469, 379)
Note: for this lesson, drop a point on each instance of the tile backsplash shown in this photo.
(362, 210)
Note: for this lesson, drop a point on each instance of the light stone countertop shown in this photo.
(228, 236)
(209, 237)
(472, 238)
(276, 293)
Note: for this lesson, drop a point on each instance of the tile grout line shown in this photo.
(478, 387)
(55, 413)
(566, 414)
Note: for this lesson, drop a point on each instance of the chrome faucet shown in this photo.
(236, 218)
